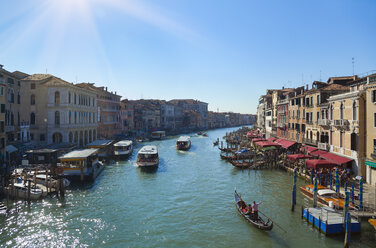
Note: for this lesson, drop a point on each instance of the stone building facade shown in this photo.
(59, 111)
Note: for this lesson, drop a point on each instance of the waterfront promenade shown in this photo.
(187, 202)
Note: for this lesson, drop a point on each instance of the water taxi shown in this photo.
(123, 148)
(148, 157)
(105, 148)
(81, 165)
(158, 135)
(183, 143)
(324, 195)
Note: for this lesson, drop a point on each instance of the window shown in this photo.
(18, 98)
(331, 112)
(374, 96)
(57, 97)
(2, 108)
(10, 81)
(69, 97)
(32, 86)
(354, 111)
(1, 91)
(374, 119)
(32, 119)
(318, 100)
(374, 146)
(75, 98)
(2, 125)
(341, 111)
(354, 138)
(340, 139)
(75, 117)
(70, 117)
(32, 99)
(318, 115)
(10, 95)
(57, 118)
(31, 136)
(42, 137)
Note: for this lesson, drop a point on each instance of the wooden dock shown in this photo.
(328, 221)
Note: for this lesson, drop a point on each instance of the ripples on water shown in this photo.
(187, 202)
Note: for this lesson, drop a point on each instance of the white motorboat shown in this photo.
(20, 190)
(183, 143)
(123, 148)
(148, 157)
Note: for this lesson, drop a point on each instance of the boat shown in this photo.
(148, 157)
(81, 165)
(215, 143)
(183, 143)
(204, 135)
(105, 148)
(158, 135)
(324, 196)
(372, 222)
(20, 190)
(241, 164)
(123, 148)
(259, 222)
(41, 179)
(3, 208)
(199, 133)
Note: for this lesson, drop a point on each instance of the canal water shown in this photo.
(187, 202)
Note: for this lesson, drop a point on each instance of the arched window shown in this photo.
(90, 136)
(94, 135)
(331, 112)
(70, 137)
(32, 99)
(75, 98)
(75, 117)
(355, 113)
(341, 111)
(70, 117)
(57, 118)
(57, 97)
(75, 137)
(57, 138)
(32, 119)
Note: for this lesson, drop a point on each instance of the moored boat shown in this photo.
(324, 195)
(105, 148)
(148, 157)
(257, 222)
(123, 148)
(81, 165)
(20, 190)
(158, 135)
(183, 143)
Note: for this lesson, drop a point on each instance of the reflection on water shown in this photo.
(187, 201)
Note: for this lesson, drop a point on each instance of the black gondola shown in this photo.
(259, 222)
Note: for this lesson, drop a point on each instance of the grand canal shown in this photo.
(187, 202)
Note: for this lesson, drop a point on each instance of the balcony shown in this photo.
(310, 141)
(324, 122)
(309, 122)
(323, 146)
(281, 126)
(340, 123)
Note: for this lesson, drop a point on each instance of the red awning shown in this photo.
(285, 143)
(271, 139)
(258, 139)
(336, 159)
(266, 143)
(319, 163)
(294, 157)
(308, 149)
(318, 153)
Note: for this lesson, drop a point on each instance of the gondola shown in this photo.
(241, 165)
(259, 222)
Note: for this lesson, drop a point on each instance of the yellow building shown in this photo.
(296, 125)
(370, 162)
(346, 137)
(2, 119)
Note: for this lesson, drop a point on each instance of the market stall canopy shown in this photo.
(294, 157)
(257, 140)
(336, 159)
(318, 153)
(271, 139)
(285, 143)
(319, 163)
(266, 144)
(308, 149)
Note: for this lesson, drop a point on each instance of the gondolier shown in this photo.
(255, 209)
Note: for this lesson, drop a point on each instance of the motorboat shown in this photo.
(148, 157)
(183, 143)
(123, 148)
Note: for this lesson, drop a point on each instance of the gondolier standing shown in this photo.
(255, 209)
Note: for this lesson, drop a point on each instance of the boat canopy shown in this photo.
(294, 157)
(148, 150)
(124, 143)
(325, 191)
(183, 139)
(100, 143)
(78, 154)
(319, 163)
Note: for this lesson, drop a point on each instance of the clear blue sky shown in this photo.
(226, 53)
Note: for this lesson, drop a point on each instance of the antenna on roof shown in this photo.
(353, 62)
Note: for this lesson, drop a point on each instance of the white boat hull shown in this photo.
(148, 164)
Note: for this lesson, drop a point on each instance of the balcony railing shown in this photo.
(341, 123)
(323, 146)
(324, 122)
(310, 141)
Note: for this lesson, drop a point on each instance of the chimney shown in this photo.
(106, 88)
(283, 87)
(306, 86)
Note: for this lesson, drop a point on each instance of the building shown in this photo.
(347, 132)
(167, 116)
(282, 112)
(370, 162)
(2, 119)
(127, 117)
(59, 111)
(194, 111)
(109, 123)
(297, 121)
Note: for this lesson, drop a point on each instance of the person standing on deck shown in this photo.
(255, 209)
